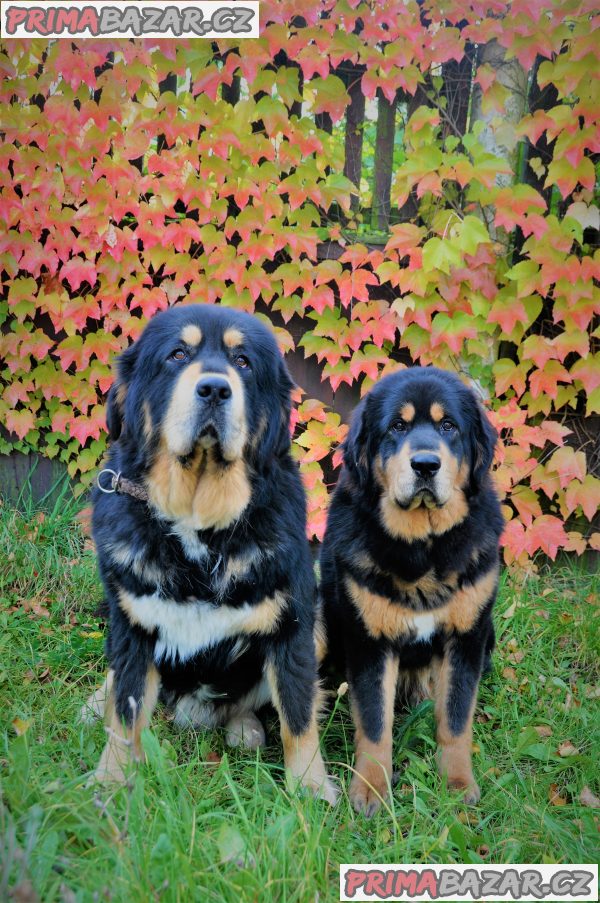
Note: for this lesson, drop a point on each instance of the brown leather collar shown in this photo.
(121, 484)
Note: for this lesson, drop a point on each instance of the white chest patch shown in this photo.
(184, 629)
(193, 548)
(424, 626)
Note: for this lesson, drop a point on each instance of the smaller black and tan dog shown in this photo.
(409, 567)
(202, 549)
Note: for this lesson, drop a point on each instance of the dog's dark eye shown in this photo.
(242, 362)
(180, 354)
(398, 426)
(447, 426)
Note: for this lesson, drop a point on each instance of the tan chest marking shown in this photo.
(384, 618)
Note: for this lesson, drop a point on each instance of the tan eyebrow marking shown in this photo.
(232, 337)
(436, 411)
(407, 412)
(191, 334)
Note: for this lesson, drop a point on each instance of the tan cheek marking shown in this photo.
(233, 337)
(171, 487)
(148, 426)
(374, 759)
(191, 335)
(436, 412)
(452, 480)
(239, 426)
(407, 412)
(121, 395)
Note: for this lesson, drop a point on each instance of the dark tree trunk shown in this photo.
(355, 120)
(384, 157)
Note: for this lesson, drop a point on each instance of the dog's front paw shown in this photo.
(472, 793)
(328, 791)
(114, 765)
(368, 791)
(313, 778)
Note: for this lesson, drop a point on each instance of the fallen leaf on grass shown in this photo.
(214, 758)
(587, 798)
(85, 520)
(509, 673)
(566, 748)
(510, 610)
(20, 726)
(555, 798)
(542, 613)
(542, 730)
(36, 608)
(516, 657)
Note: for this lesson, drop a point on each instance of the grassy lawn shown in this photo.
(204, 823)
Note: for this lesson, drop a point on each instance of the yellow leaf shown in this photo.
(20, 726)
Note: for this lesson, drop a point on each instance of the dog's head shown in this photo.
(202, 386)
(422, 438)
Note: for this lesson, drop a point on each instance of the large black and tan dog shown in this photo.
(202, 548)
(410, 567)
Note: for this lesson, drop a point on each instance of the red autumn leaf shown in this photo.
(77, 271)
(20, 422)
(319, 298)
(353, 285)
(568, 464)
(547, 534)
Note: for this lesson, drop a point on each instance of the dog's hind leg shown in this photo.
(245, 730)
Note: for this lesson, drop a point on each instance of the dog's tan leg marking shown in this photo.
(124, 742)
(301, 752)
(454, 749)
(373, 764)
(94, 707)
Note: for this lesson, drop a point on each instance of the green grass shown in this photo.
(203, 823)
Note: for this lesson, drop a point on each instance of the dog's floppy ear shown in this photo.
(355, 445)
(115, 402)
(483, 444)
(276, 438)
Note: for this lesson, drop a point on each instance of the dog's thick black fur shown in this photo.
(208, 580)
(409, 567)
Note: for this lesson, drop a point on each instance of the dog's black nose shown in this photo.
(425, 464)
(214, 389)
